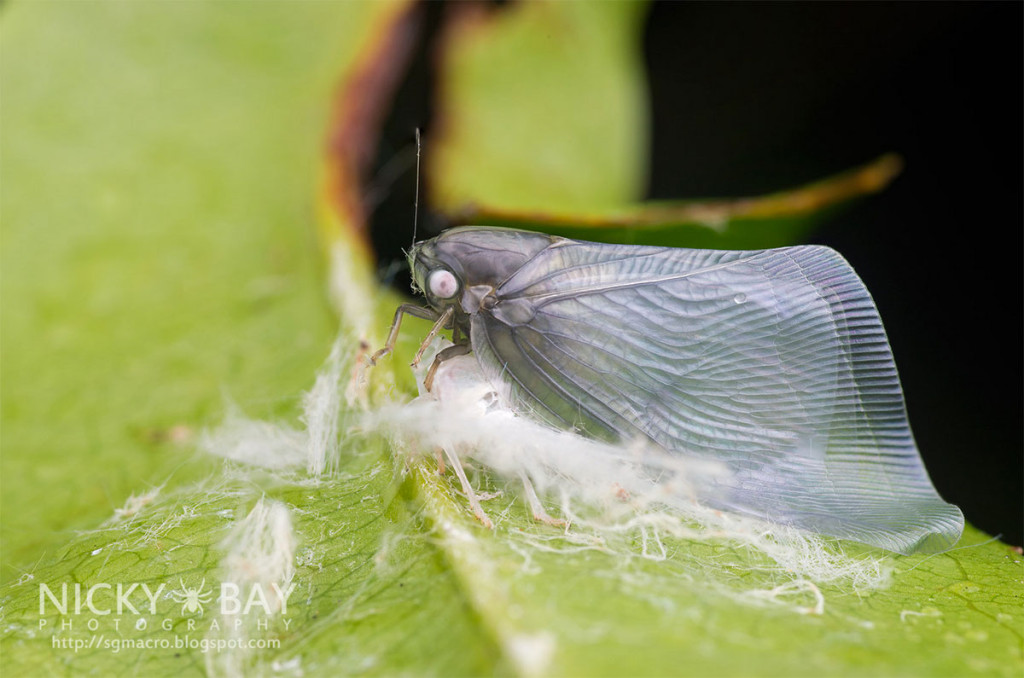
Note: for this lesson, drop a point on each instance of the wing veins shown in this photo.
(505, 370)
(582, 387)
(559, 387)
(542, 299)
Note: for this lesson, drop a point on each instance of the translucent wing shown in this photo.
(774, 362)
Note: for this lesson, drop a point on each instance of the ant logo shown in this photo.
(192, 599)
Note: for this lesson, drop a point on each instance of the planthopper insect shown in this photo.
(772, 362)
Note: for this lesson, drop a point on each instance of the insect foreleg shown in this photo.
(450, 352)
(441, 323)
(396, 324)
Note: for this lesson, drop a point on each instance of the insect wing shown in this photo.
(774, 362)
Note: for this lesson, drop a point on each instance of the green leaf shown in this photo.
(773, 220)
(159, 169)
(363, 582)
(528, 120)
(598, 607)
(551, 135)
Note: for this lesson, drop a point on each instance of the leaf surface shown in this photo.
(543, 126)
(159, 169)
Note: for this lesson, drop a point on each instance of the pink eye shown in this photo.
(442, 284)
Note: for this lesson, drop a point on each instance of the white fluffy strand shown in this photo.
(609, 489)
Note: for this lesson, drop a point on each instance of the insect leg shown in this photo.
(536, 507)
(396, 324)
(446, 354)
(442, 321)
(471, 496)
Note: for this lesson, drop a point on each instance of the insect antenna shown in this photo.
(416, 200)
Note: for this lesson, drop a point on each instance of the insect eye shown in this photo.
(442, 284)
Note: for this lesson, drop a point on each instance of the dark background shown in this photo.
(754, 98)
(751, 98)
